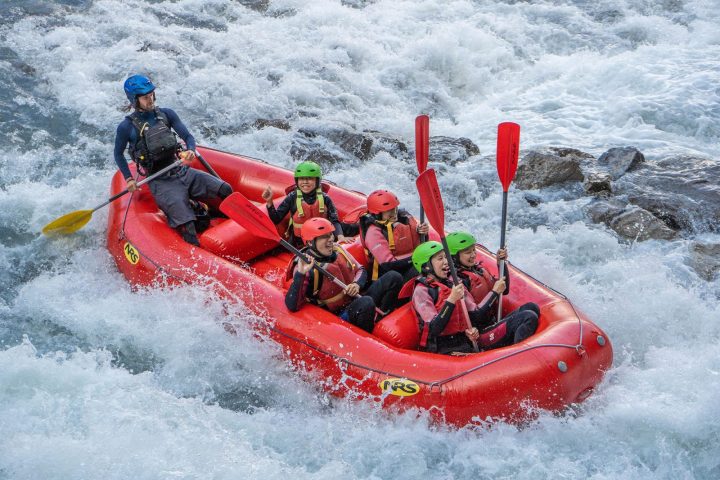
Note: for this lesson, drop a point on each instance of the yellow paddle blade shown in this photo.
(70, 223)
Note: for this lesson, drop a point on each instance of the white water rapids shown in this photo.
(98, 381)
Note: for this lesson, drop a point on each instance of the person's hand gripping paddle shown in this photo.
(508, 148)
(74, 221)
(432, 201)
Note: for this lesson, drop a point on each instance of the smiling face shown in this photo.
(325, 244)
(440, 266)
(390, 215)
(467, 257)
(146, 102)
(307, 184)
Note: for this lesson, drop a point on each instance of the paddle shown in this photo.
(508, 148)
(431, 199)
(422, 152)
(241, 210)
(207, 165)
(74, 221)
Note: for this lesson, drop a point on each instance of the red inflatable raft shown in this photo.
(559, 365)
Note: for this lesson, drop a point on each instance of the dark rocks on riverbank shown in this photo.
(673, 197)
(328, 146)
(638, 199)
(705, 259)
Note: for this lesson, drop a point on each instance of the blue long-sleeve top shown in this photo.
(127, 133)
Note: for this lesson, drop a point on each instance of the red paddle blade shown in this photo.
(431, 200)
(353, 216)
(422, 142)
(508, 148)
(246, 214)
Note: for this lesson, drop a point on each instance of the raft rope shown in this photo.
(580, 350)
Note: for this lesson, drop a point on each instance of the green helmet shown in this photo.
(308, 170)
(424, 252)
(459, 241)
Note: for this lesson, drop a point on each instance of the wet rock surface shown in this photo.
(682, 192)
(540, 169)
(639, 199)
(328, 146)
(638, 224)
(705, 259)
(618, 161)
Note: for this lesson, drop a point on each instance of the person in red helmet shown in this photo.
(309, 285)
(390, 235)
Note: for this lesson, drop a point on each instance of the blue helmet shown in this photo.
(137, 85)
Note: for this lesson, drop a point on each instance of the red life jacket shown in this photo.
(402, 239)
(439, 292)
(304, 211)
(327, 293)
(479, 282)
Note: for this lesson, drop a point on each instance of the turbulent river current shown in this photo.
(98, 381)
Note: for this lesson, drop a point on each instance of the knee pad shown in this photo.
(225, 190)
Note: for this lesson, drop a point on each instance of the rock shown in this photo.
(617, 161)
(565, 152)
(546, 168)
(683, 191)
(598, 184)
(261, 123)
(212, 132)
(331, 145)
(533, 199)
(385, 143)
(359, 4)
(705, 259)
(638, 224)
(335, 144)
(308, 145)
(355, 144)
(604, 211)
(451, 150)
(257, 5)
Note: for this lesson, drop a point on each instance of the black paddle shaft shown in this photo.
(503, 226)
(453, 271)
(177, 163)
(305, 259)
(207, 166)
(456, 281)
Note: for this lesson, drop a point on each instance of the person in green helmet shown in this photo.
(478, 280)
(305, 202)
(443, 329)
(481, 285)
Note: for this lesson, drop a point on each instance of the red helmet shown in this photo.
(381, 201)
(316, 227)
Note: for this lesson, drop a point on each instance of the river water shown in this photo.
(98, 381)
